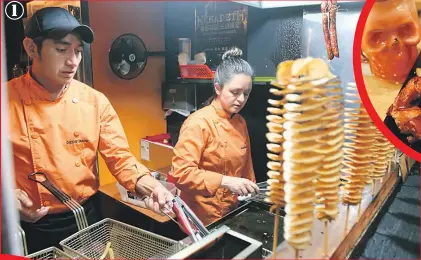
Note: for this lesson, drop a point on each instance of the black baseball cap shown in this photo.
(56, 23)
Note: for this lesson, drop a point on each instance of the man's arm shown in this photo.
(132, 175)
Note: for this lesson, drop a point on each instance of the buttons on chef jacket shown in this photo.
(77, 163)
(76, 133)
(28, 102)
(75, 100)
(34, 135)
(47, 203)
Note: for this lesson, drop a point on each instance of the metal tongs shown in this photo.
(260, 197)
(188, 221)
(76, 208)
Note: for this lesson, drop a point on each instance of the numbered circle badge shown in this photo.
(14, 10)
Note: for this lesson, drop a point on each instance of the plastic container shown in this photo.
(134, 199)
(196, 72)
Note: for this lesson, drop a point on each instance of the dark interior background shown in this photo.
(14, 36)
(273, 35)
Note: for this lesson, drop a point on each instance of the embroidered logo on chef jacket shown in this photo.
(77, 141)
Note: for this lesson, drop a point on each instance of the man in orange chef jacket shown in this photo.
(57, 126)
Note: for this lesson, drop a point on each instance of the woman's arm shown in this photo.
(249, 170)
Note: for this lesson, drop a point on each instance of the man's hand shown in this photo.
(24, 203)
(160, 200)
(159, 197)
(239, 186)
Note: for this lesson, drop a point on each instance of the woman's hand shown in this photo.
(239, 186)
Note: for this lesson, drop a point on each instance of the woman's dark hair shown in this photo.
(232, 64)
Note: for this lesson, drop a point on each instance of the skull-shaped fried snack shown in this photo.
(390, 39)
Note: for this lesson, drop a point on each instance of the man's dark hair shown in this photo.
(38, 42)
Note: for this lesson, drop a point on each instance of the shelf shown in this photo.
(256, 81)
(279, 4)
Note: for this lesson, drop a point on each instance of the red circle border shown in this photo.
(363, 92)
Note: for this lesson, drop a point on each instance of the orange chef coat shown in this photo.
(61, 139)
(210, 145)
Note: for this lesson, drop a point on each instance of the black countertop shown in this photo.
(254, 219)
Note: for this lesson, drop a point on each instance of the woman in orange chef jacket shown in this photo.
(212, 158)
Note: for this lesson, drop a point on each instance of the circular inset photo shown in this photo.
(387, 67)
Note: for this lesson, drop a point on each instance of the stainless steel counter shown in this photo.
(253, 219)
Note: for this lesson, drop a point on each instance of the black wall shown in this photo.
(179, 23)
(273, 35)
(14, 36)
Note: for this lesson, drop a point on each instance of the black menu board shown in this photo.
(219, 27)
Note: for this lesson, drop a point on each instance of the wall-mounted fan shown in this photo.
(128, 56)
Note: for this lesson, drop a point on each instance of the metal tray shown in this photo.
(254, 220)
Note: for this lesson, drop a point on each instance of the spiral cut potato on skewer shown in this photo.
(391, 155)
(275, 193)
(302, 84)
(358, 147)
(374, 149)
(391, 150)
(382, 156)
(327, 185)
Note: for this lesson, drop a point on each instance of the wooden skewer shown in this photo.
(359, 209)
(373, 187)
(326, 239)
(275, 233)
(297, 253)
(346, 220)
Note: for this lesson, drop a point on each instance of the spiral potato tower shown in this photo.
(358, 147)
(327, 185)
(305, 102)
(382, 156)
(275, 193)
(391, 154)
